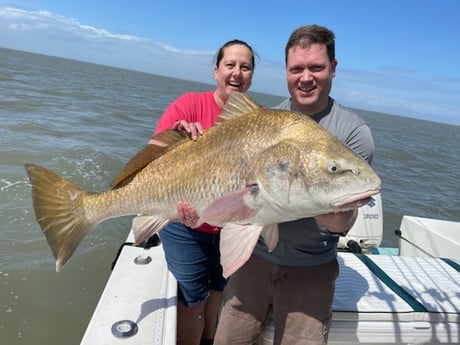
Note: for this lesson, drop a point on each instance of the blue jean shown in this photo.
(193, 258)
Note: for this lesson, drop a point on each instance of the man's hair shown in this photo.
(310, 34)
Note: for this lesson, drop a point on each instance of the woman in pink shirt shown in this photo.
(193, 254)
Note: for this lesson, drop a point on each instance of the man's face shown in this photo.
(309, 77)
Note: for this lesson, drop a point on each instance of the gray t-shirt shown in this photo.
(303, 242)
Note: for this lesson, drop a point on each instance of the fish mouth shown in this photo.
(355, 200)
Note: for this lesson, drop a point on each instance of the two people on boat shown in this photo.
(294, 284)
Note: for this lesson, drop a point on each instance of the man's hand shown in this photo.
(338, 222)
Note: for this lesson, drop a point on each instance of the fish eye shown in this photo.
(333, 167)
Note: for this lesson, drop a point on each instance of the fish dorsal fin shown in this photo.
(238, 104)
(169, 138)
(270, 234)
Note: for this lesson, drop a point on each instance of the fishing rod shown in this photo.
(452, 263)
(398, 233)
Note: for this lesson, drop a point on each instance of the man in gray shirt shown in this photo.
(295, 282)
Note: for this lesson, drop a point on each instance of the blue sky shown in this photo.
(395, 56)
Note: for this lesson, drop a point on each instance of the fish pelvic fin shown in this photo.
(270, 234)
(168, 138)
(145, 226)
(59, 209)
(237, 242)
(238, 104)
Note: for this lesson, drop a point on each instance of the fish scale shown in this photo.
(256, 167)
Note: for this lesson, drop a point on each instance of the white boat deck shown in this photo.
(143, 293)
(423, 285)
(401, 300)
(418, 302)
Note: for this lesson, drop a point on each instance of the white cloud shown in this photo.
(43, 32)
(386, 89)
(400, 92)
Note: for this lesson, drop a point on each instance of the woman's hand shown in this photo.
(193, 128)
(186, 214)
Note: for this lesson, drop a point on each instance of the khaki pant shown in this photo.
(299, 299)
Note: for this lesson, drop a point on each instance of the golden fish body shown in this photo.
(255, 167)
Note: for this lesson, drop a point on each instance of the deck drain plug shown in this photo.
(124, 328)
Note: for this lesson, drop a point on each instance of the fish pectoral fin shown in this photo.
(270, 234)
(145, 226)
(227, 209)
(237, 243)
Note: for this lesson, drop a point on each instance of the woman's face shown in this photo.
(234, 72)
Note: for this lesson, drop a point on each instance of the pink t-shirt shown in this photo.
(192, 107)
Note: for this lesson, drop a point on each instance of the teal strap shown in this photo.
(388, 281)
(452, 264)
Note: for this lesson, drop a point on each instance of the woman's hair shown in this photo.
(220, 52)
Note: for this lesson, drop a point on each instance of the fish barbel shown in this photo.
(255, 168)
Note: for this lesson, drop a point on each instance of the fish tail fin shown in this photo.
(60, 211)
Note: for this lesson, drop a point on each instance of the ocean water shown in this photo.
(85, 121)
